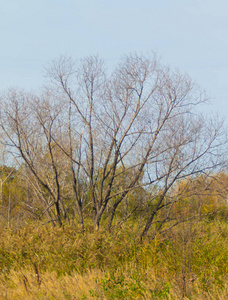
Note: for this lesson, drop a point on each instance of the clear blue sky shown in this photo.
(191, 35)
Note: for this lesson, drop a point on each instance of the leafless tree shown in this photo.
(29, 129)
(140, 120)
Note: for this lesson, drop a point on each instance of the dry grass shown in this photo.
(189, 262)
(23, 285)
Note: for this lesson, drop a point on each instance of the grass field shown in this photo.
(42, 262)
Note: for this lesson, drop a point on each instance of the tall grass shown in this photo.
(188, 262)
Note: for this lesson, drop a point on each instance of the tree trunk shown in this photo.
(58, 212)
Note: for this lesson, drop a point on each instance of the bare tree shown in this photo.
(140, 120)
(29, 130)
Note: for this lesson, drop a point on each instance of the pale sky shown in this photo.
(191, 35)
